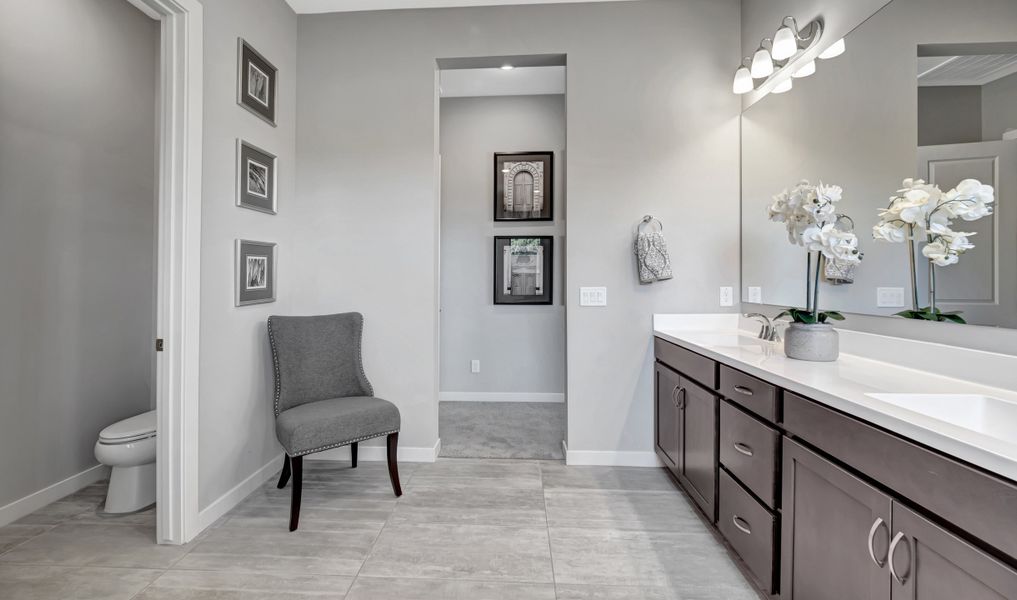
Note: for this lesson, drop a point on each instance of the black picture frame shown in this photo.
(538, 168)
(254, 272)
(535, 277)
(257, 81)
(256, 178)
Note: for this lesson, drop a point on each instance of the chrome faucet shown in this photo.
(768, 330)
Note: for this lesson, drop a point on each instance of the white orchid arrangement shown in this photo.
(922, 212)
(809, 212)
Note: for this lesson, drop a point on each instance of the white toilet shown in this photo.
(128, 447)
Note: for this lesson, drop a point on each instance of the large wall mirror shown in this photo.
(927, 89)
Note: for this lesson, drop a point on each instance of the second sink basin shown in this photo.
(984, 414)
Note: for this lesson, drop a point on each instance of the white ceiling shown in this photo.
(965, 70)
(325, 6)
(521, 81)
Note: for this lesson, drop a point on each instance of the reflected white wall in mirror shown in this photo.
(887, 109)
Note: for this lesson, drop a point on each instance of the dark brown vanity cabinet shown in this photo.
(685, 415)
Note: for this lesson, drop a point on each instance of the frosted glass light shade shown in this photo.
(762, 65)
(782, 87)
(785, 45)
(835, 50)
(742, 81)
(807, 69)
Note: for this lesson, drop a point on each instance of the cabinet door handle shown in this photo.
(741, 389)
(872, 533)
(740, 447)
(681, 398)
(674, 395)
(741, 524)
(897, 539)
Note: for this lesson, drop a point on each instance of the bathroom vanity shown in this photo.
(860, 479)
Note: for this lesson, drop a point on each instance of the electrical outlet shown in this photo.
(755, 294)
(593, 296)
(727, 296)
(890, 297)
(474, 366)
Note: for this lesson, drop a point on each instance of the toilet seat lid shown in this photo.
(134, 428)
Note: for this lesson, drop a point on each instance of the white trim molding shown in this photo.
(225, 503)
(410, 454)
(178, 265)
(500, 397)
(610, 458)
(25, 506)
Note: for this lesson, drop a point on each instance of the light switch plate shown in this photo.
(727, 296)
(474, 366)
(890, 297)
(755, 294)
(593, 296)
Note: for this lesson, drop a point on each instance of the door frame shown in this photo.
(178, 263)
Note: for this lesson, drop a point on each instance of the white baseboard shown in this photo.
(33, 502)
(420, 454)
(225, 503)
(500, 397)
(610, 458)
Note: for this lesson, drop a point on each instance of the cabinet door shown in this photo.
(667, 416)
(699, 444)
(834, 534)
(930, 563)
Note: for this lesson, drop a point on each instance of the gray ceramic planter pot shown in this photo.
(818, 343)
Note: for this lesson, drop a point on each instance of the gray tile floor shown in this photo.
(463, 529)
(501, 429)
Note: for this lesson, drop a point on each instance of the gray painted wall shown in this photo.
(999, 106)
(77, 232)
(950, 114)
(237, 427)
(652, 128)
(876, 150)
(520, 348)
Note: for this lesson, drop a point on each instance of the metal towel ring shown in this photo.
(648, 219)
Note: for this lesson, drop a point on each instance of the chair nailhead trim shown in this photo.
(330, 446)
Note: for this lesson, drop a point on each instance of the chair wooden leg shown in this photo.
(285, 472)
(393, 467)
(298, 476)
(353, 453)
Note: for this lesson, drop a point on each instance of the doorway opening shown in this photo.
(502, 357)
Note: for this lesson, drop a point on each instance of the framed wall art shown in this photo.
(255, 272)
(256, 178)
(256, 82)
(524, 186)
(523, 270)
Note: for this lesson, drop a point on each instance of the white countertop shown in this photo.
(844, 384)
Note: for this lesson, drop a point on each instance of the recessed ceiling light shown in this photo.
(507, 67)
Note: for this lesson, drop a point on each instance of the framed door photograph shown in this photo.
(523, 270)
(524, 186)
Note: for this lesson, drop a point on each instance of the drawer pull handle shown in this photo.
(879, 522)
(674, 396)
(742, 448)
(897, 539)
(681, 398)
(742, 524)
(741, 389)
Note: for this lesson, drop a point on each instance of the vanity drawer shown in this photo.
(687, 362)
(750, 529)
(754, 394)
(748, 449)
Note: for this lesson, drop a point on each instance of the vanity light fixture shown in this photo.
(742, 79)
(783, 86)
(833, 51)
(785, 43)
(762, 64)
(808, 69)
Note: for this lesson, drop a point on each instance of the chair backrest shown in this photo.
(317, 358)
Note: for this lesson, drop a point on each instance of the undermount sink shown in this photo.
(984, 414)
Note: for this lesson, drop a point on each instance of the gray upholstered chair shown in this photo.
(323, 399)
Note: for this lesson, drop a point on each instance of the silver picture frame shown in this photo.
(251, 158)
(254, 272)
(261, 102)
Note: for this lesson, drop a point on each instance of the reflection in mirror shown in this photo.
(895, 107)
